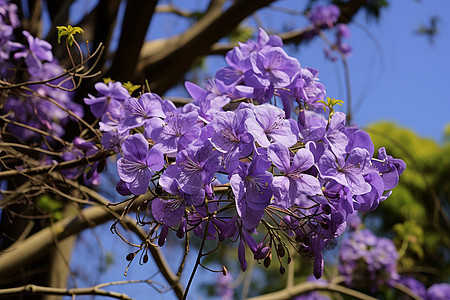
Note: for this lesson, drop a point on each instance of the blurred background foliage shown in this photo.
(416, 215)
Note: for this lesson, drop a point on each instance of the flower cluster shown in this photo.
(367, 261)
(223, 162)
(33, 57)
(326, 17)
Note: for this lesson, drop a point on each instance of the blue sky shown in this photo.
(398, 76)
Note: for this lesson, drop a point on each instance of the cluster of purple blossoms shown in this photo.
(43, 106)
(437, 291)
(367, 261)
(224, 287)
(18, 49)
(326, 17)
(223, 162)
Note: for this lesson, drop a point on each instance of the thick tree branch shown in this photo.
(166, 62)
(138, 15)
(28, 250)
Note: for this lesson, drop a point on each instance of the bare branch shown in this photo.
(170, 8)
(31, 289)
(61, 166)
(138, 15)
(305, 287)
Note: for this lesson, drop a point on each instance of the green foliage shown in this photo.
(241, 33)
(130, 87)
(50, 206)
(417, 212)
(68, 31)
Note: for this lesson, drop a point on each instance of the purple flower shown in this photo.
(37, 52)
(138, 164)
(175, 133)
(170, 182)
(389, 167)
(312, 126)
(168, 211)
(111, 99)
(238, 65)
(210, 101)
(294, 181)
(231, 137)
(263, 43)
(140, 111)
(417, 287)
(270, 126)
(439, 291)
(273, 67)
(324, 15)
(348, 170)
(197, 166)
(252, 188)
(367, 261)
(224, 287)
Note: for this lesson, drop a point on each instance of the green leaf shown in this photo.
(68, 31)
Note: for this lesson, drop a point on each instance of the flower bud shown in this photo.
(268, 260)
(280, 250)
(130, 256)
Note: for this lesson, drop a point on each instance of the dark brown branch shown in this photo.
(138, 15)
(61, 166)
(166, 64)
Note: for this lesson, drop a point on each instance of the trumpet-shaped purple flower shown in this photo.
(170, 182)
(231, 137)
(168, 211)
(252, 188)
(175, 133)
(390, 168)
(210, 101)
(197, 166)
(138, 163)
(270, 126)
(38, 50)
(294, 181)
(273, 67)
(110, 101)
(348, 171)
(140, 111)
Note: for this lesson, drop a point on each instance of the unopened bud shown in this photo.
(280, 250)
(145, 258)
(282, 270)
(267, 261)
(130, 256)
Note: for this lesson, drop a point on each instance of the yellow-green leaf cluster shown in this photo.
(68, 31)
